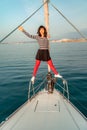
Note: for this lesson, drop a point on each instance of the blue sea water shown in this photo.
(16, 66)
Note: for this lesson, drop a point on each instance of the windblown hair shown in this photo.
(45, 31)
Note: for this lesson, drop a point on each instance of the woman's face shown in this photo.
(42, 31)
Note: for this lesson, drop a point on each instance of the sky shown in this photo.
(14, 12)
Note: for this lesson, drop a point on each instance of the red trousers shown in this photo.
(50, 63)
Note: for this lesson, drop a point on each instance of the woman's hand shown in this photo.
(48, 36)
(21, 28)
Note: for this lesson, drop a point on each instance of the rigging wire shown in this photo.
(35, 13)
(34, 89)
(73, 97)
(22, 22)
(68, 20)
(62, 87)
(37, 87)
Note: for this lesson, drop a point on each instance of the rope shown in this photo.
(68, 20)
(23, 22)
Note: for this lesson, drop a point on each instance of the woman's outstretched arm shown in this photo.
(27, 34)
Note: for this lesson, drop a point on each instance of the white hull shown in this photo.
(46, 112)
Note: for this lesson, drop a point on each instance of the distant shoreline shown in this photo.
(70, 40)
(52, 41)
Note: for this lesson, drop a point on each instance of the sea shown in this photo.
(16, 67)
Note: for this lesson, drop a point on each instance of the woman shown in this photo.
(43, 52)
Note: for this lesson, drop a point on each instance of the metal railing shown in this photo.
(34, 88)
(64, 88)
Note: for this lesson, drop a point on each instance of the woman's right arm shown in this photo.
(27, 34)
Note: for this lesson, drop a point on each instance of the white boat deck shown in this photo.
(46, 112)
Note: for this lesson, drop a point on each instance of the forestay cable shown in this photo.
(23, 22)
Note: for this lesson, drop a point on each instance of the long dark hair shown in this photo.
(45, 31)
